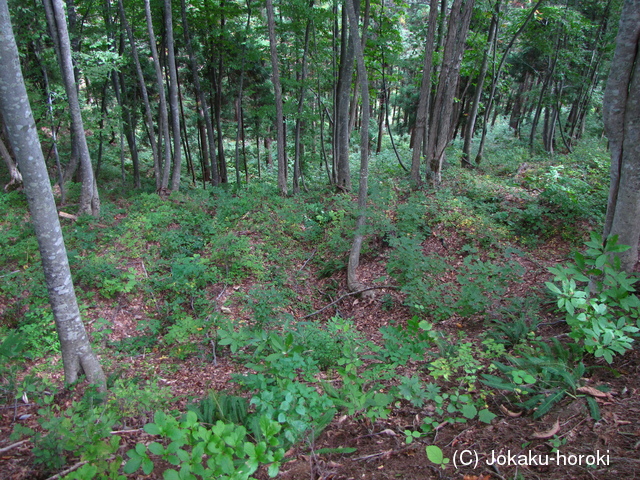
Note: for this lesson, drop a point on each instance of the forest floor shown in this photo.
(381, 450)
(373, 441)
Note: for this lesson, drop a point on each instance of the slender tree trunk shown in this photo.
(354, 256)
(303, 90)
(145, 96)
(173, 96)
(14, 174)
(275, 75)
(164, 117)
(77, 356)
(203, 106)
(470, 127)
(89, 199)
(496, 79)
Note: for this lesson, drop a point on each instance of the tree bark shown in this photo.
(341, 115)
(203, 106)
(165, 166)
(275, 75)
(77, 355)
(440, 127)
(425, 96)
(354, 255)
(470, 126)
(173, 96)
(89, 199)
(145, 96)
(14, 173)
(622, 125)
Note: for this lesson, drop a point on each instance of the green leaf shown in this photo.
(546, 405)
(152, 429)
(486, 416)
(156, 448)
(469, 411)
(171, 475)
(594, 408)
(133, 464)
(434, 454)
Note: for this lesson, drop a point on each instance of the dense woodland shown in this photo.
(319, 240)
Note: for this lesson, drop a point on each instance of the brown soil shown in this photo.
(381, 449)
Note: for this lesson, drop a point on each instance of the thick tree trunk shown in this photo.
(341, 115)
(622, 124)
(425, 97)
(77, 355)
(440, 127)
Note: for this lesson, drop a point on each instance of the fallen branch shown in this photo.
(68, 470)
(348, 295)
(17, 444)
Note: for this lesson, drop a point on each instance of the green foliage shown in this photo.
(11, 354)
(325, 343)
(81, 431)
(598, 299)
(267, 305)
(135, 399)
(542, 377)
(222, 451)
(301, 411)
(38, 329)
(219, 406)
(234, 256)
(479, 284)
(404, 344)
(102, 273)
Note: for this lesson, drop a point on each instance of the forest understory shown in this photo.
(232, 304)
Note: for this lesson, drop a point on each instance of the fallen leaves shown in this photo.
(549, 433)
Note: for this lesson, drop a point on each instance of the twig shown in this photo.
(4, 449)
(68, 470)
(348, 295)
(308, 260)
(10, 273)
(116, 432)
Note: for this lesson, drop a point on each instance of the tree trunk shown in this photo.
(496, 79)
(425, 97)
(345, 74)
(77, 356)
(275, 75)
(173, 96)
(440, 126)
(164, 116)
(89, 199)
(145, 96)
(203, 106)
(470, 127)
(14, 173)
(297, 172)
(354, 256)
(622, 124)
